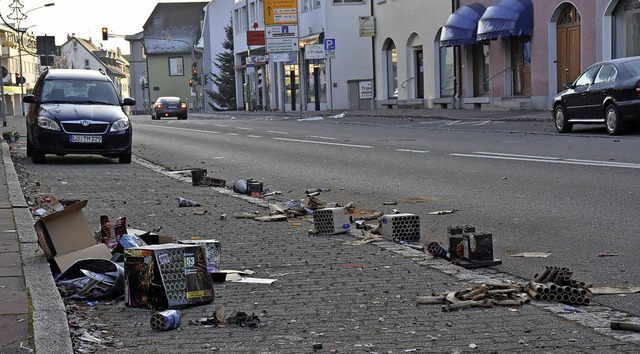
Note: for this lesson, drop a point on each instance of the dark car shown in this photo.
(75, 111)
(606, 93)
(169, 107)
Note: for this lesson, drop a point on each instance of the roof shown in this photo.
(173, 27)
(99, 55)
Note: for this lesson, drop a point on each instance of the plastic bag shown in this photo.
(91, 279)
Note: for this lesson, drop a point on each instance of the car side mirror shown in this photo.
(128, 101)
(568, 85)
(29, 99)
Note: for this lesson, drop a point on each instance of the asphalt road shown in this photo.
(535, 191)
(573, 196)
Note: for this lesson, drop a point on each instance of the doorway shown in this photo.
(568, 42)
(419, 73)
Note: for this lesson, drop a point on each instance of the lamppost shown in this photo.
(19, 16)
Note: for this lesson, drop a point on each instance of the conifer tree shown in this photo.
(225, 81)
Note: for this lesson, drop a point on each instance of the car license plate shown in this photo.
(172, 107)
(85, 138)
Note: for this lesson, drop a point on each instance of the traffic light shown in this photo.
(194, 75)
(105, 33)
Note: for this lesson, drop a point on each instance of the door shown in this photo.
(568, 46)
(576, 98)
(599, 91)
(419, 74)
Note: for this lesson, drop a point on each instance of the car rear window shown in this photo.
(634, 67)
(170, 100)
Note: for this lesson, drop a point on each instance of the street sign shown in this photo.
(255, 37)
(282, 38)
(367, 26)
(278, 12)
(285, 57)
(314, 51)
(329, 44)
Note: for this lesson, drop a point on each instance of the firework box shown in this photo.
(65, 237)
(166, 276)
(212, 249)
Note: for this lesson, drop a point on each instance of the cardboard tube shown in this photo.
(534, 295)
(430, 299)
(539, 277)
(508, 302)
(625, 326)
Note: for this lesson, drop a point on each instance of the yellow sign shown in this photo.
(280, 12)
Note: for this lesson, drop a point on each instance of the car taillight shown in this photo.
(159, 105)
(638, 89)
(183, 105)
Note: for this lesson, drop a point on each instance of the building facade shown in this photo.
(297, 80)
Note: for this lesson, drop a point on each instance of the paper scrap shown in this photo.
(532, 254)
(606, 290)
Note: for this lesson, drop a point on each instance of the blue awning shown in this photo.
(506, 18)
(461, 26)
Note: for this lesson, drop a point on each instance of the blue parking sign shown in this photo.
(329, 44)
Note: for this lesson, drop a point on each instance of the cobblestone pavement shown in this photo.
(330, 296)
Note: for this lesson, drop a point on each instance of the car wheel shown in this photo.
(561, 121)
(38, 157)
(124, 158)
(615, 126)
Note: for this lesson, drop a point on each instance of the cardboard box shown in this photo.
(166, 276)
(212, 250)
(65, 237)
(148, 237)
(478, 246)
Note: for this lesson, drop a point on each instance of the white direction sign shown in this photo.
(314, 51)
(281, 38)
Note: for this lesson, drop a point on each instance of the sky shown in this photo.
(85, 18)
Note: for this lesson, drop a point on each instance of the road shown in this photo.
(534, 190)
(573, 196)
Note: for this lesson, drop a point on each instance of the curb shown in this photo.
(49, 322)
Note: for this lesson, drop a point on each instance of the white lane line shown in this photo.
(324, 143)
(277, 132)
(233, 134)
(185, 129)
(241, 128)
(322, 137)
(414, 151)
(483, 122)
(550, 160)
(561, 159)
(433, 122)
(254, 136)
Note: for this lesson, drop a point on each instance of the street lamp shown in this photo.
(19, 17)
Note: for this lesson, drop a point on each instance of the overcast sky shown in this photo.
(85, 18)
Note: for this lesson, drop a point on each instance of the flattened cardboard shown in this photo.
(96, 251)
(64, 231)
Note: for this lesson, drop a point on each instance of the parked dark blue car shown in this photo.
(606, 93)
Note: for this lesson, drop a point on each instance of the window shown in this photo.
(317, 4)
(176, 67)
(348, 1)
(391, 56)
(587, 77)
(306, 5)
(607, 73)
(446, 72)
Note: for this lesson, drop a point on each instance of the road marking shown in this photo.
(233, 134)
(277, 132)
(324, 143)
(415, 151)
(434, 122)
(547, 159)
(241, 128)
(322, 137)
(254, 136)
(185, 129)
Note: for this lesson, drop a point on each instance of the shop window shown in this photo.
(446, 72)
(391, 72)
